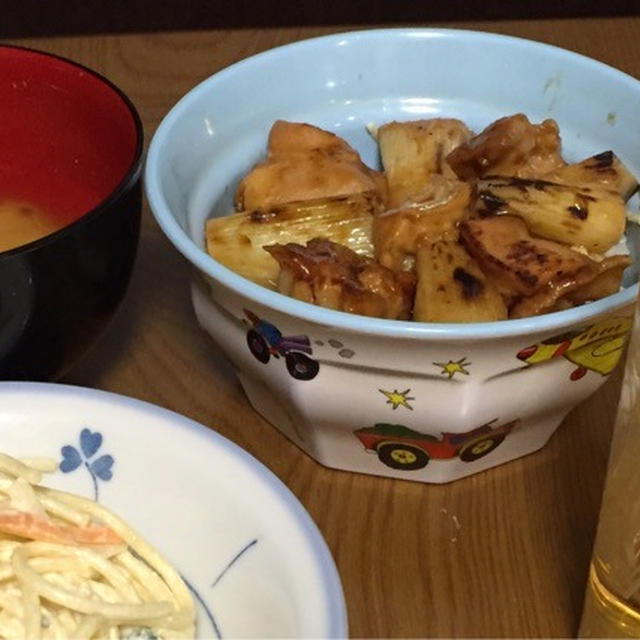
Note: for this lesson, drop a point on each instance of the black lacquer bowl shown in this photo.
(70, 144)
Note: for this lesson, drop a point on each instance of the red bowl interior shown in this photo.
(67, 137)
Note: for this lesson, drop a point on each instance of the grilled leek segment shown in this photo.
(237, 240)
(412, 151)
(591, 217)
(604, 169)
(435, 214)
(452, 288)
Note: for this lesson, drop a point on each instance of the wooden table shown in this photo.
(517, 564)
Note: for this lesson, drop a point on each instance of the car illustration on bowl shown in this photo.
(266, 340)
(400, 447)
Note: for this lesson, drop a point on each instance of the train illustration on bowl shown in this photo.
(400, 447)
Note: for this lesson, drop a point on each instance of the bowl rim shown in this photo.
(353, 323)
(336, 621)
(130, 177)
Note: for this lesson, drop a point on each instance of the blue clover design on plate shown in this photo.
(99, 468)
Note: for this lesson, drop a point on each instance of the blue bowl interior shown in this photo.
(347, 81)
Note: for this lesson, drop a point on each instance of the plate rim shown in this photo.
(332, 591)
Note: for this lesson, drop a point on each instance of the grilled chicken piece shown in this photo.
(289, 138)
(333, 276)
(510, 146)
(520, 264)
(434, 214)
(305, 163)
(597, 280)
(532, 274)
(412, 151)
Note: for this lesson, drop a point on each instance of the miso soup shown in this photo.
(21, 223)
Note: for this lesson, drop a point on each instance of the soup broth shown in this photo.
(21, 223)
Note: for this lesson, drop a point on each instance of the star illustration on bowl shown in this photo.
(99, 468)
(398, 398)
(452, 367)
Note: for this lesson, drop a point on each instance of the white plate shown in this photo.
(254, 559)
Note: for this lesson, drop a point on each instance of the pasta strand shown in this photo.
(82, 586)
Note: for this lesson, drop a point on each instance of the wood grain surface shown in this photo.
(503, 553)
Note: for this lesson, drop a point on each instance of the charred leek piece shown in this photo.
(591, 217)
(452, 288)
(604, 169)
(237, 240)
(412, 151)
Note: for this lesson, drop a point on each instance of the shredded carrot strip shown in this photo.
(33, 527)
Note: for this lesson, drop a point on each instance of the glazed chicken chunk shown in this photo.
(331, 275)
(534, 274)
(305, 163)
(510, 146)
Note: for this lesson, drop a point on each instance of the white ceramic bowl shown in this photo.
(461, 398)
(251, 555)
